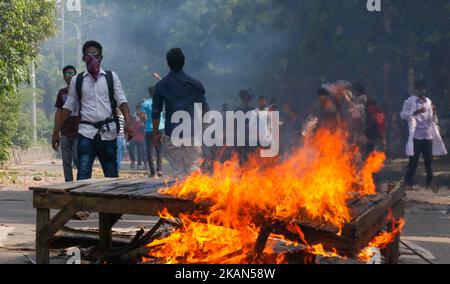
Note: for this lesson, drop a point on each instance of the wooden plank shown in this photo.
(127, 190)
(346, 246)
(149, 206)
(112, 188)
(42, 250)
(130, 189)
(359, 209)
(392, 252)
(375, 212)
(106, 223)
(148, 189)
(57, 222)
(360, 206)
(101, 187)
(378, 225)
(69, 186)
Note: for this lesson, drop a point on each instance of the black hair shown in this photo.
(323, 92)
(245, 93)
(92, 43)
(175, 59)
(69, 67)
(359, 88)
(420, 85)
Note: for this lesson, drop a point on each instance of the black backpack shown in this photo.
(112, 100)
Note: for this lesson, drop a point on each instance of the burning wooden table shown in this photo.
(112, 198)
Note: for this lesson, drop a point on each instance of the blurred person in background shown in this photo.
(69, 131)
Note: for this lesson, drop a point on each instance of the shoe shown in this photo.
(160, 174)
(152, 175)
(133, 166)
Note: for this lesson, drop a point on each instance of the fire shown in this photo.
(315, 183)
(382, 240)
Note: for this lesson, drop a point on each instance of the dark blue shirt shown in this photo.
(177, 92)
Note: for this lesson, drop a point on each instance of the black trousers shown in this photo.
(151, 149)
(424, 148)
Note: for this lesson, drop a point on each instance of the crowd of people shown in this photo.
(93, 120)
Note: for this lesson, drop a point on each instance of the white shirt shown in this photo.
(95, 104)
(424, 121)
(409, 107)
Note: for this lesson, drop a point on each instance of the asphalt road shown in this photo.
(427, 228)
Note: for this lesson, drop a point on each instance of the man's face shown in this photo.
(421, 92)
(92, 51)
(245, 100)
(262, 103)
(68, 75)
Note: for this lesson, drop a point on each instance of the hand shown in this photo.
(56, 141)
(419, 111)
(129, 131)
(156, 138)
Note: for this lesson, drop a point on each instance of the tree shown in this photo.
(282, 49)
(23, 26)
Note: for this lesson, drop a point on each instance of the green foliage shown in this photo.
(23, 26)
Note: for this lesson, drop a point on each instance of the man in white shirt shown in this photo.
(95, 94)
(424, 138)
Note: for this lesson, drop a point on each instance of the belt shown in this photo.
(99, 125)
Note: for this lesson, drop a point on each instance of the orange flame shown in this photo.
(315, 183)
(383, 240)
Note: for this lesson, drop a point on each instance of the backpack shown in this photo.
(115, 118)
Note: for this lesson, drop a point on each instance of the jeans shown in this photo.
(89, 149)
(131, 151)
(424, 147)
(137, 152)
(69, 153)
(151, 148)
(120, 145)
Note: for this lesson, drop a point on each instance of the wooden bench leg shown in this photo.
(42, 250)
(106, 222)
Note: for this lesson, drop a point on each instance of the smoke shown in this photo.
(226, 60)
(279, 49)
